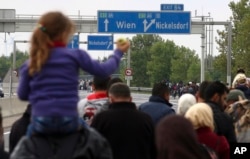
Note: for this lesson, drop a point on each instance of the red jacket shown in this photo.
(214, 141)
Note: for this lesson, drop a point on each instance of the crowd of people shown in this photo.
(107, 124)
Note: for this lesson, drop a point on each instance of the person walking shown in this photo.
(239, 77)
(233, 96)
(96, 101)
(177, 139)
(215, 96)
(130, 132)
(200, 95)
(158, 105)
(185, 102)
(201, 116)
(49, 78)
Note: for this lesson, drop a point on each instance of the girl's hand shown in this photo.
(123, 44)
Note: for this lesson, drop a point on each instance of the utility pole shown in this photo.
(229, 49)
(13, 67)
(128, 65)
(229, 52)
(203, 46)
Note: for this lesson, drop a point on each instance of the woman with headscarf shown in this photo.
(239, 78)
(185, 102)
(176, 139)
(201, 117)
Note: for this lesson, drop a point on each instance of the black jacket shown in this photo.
(130, 132)
(86, 144)
(19, 128)
(223, 123)
(3, 154)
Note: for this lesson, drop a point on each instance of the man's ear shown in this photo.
(215, 97)
(130, 100)
(93, 87)
(111, 99)
(166, 95)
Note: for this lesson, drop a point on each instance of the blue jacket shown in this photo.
(157, 108)
(54, 90)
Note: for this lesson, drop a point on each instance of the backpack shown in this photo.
(93, 108)
(211, 153)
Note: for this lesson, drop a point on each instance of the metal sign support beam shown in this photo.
(13, 68)
(229, 47)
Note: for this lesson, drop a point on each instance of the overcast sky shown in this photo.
(217, 9)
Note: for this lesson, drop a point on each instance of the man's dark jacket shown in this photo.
(3, 154)
(129, 131)
(223, 123)
(19, 128)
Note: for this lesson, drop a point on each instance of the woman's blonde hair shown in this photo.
(52, 26)
(200, 115)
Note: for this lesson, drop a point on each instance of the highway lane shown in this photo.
(137, 98)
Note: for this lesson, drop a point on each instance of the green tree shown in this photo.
(220, 71)
(178, 63)
(4, 66)
(185, 65)
(6, 62)
(21, 57)
(159, 67)
(241, 38)
(193, 72)
(140, 55)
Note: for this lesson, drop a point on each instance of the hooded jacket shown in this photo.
(157, 108)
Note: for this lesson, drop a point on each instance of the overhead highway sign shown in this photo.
(144, 22)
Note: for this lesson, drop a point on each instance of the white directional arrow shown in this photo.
(146, 27)
(110, 43)
(106, 22)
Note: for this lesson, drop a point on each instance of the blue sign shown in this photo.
(100, 42)
(172, 7)
(144, 22)
(74, 42)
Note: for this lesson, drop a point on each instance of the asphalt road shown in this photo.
(137, 99)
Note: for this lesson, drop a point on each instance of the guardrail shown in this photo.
(11, 105)
(75, 17)
(141, 89)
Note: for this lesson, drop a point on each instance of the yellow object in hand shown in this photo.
(123, 44)
(121, 41)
